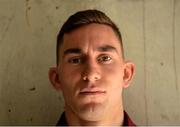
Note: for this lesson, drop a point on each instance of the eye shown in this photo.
(75, 60)
(105, 59)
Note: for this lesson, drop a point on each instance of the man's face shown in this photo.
(91, 71)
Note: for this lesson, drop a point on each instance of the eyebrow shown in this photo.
(104, 48)
(73, 50)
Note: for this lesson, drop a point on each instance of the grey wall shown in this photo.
(151, 34)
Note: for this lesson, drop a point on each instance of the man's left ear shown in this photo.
(129, 69)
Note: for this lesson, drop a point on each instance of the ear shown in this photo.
(54, 79)
(129, 69)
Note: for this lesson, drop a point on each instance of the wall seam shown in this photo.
(144, 39)
(174, 52)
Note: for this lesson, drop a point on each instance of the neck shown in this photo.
(113, 117)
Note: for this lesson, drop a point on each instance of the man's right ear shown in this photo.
(54, 79)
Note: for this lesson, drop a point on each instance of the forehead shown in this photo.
(90, 36)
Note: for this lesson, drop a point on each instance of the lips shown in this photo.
(92, 91)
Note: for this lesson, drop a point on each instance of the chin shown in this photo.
(92, 112)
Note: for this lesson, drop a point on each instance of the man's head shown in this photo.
(91, 71)
(83, 18)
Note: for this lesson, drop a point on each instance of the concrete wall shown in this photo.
(151, 34)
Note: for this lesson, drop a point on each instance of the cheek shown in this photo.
(69, 73)
(69, 77)
(113, 75)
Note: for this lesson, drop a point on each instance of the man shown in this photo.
(91, 71)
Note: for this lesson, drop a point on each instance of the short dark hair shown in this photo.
(82, 18)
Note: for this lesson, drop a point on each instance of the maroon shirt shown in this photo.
(127, 121)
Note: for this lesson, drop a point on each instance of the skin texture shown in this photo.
(91, 75)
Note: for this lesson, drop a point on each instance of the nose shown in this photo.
(91, 72)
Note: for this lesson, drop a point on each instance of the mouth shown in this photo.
(92, 92)
(95, 95)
